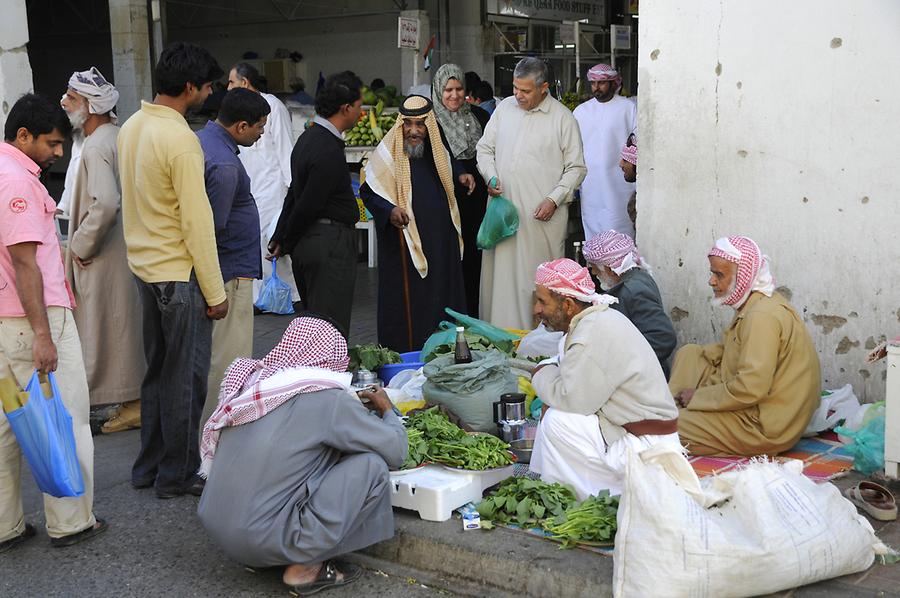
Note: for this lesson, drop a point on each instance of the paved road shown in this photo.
(153, 548)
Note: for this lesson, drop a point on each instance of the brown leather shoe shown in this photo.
(127, 418)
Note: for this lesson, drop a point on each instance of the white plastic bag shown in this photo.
(405, 390)
(540, 342)
(840, 404)
(758, 530)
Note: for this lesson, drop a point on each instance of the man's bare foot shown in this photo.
(295, 575)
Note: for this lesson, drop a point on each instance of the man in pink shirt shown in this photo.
(37, 330)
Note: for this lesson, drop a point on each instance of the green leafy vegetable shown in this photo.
(525, 502)
(371, 357)
(476, 342)
(432, 437)
(593, 521)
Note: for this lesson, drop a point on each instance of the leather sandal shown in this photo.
(16, 540)
(327, 578)
(877, 501)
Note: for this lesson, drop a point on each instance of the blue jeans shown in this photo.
(177, 344)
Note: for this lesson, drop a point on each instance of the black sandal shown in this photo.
(327, 578)
(16, 540)
(85, 534)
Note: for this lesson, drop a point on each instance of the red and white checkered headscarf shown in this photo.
(311, 356)
(629, 152)
(614, 249)
(569, 278)
(752, 268)
(604, 72)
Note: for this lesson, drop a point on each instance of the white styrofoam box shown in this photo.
(892, 412)
(436, 491)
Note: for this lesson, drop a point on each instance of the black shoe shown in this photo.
(15, 541)
(95, 530)
(195, 488)
(141, 484)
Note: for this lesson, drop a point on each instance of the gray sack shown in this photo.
(469, 389)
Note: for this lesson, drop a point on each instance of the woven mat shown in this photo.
(824, 459)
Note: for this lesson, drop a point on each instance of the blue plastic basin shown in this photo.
(411, 361)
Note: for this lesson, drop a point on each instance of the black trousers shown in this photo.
(177, 344)
(324, 264)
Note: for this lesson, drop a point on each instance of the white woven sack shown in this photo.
(758, 530)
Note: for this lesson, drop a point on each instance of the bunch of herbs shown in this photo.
(371, 357)
(591, 522)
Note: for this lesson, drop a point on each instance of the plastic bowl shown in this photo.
(411, 361)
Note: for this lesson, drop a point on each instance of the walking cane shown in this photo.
(405, 289)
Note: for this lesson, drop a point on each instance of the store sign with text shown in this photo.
(551, 10)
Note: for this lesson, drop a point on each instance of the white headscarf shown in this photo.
(100, 94)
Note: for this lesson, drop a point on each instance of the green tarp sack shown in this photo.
(469, 389)
(501, 220)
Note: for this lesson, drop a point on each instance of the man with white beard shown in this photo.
(96, 264)
(625, 275)
(268, 164)
(755, 392)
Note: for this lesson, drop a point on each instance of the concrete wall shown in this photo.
(15, 70)
(777, 120)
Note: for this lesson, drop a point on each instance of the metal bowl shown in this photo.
(522, 449)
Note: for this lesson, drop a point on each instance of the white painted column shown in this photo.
(132, 68)
(892, 412)
(411, 61)
(15, 70)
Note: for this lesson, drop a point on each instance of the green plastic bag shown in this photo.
(867, 447)
(446, 334)
(493, 333)
(469, 389)
(501, 220)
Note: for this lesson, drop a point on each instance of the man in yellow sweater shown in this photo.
(171, 243)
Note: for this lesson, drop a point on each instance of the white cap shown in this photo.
(460, 329)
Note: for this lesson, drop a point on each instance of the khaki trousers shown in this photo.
(65, 516)
(232, 337)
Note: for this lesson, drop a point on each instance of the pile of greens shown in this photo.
(592, 521)
(525, 502)
(553, 507)
(371, 357)
(434, 438)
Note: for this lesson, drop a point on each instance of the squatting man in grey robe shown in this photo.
(297, 467)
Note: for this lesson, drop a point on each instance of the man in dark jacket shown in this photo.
(316, 226)
(624, 274)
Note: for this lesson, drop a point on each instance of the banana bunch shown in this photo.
(370, 128)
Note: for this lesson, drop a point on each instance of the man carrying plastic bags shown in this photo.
(37, 329)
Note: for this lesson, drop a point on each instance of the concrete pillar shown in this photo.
(15, 70)
(411, 61)
(132, 68)
(471, 42)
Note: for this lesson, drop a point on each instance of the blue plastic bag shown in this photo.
(867, 447)
(43, 429)
(275, 296)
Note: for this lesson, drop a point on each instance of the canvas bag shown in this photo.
(757, 530)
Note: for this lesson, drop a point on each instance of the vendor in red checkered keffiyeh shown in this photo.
(311, 356)
(752, 270)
